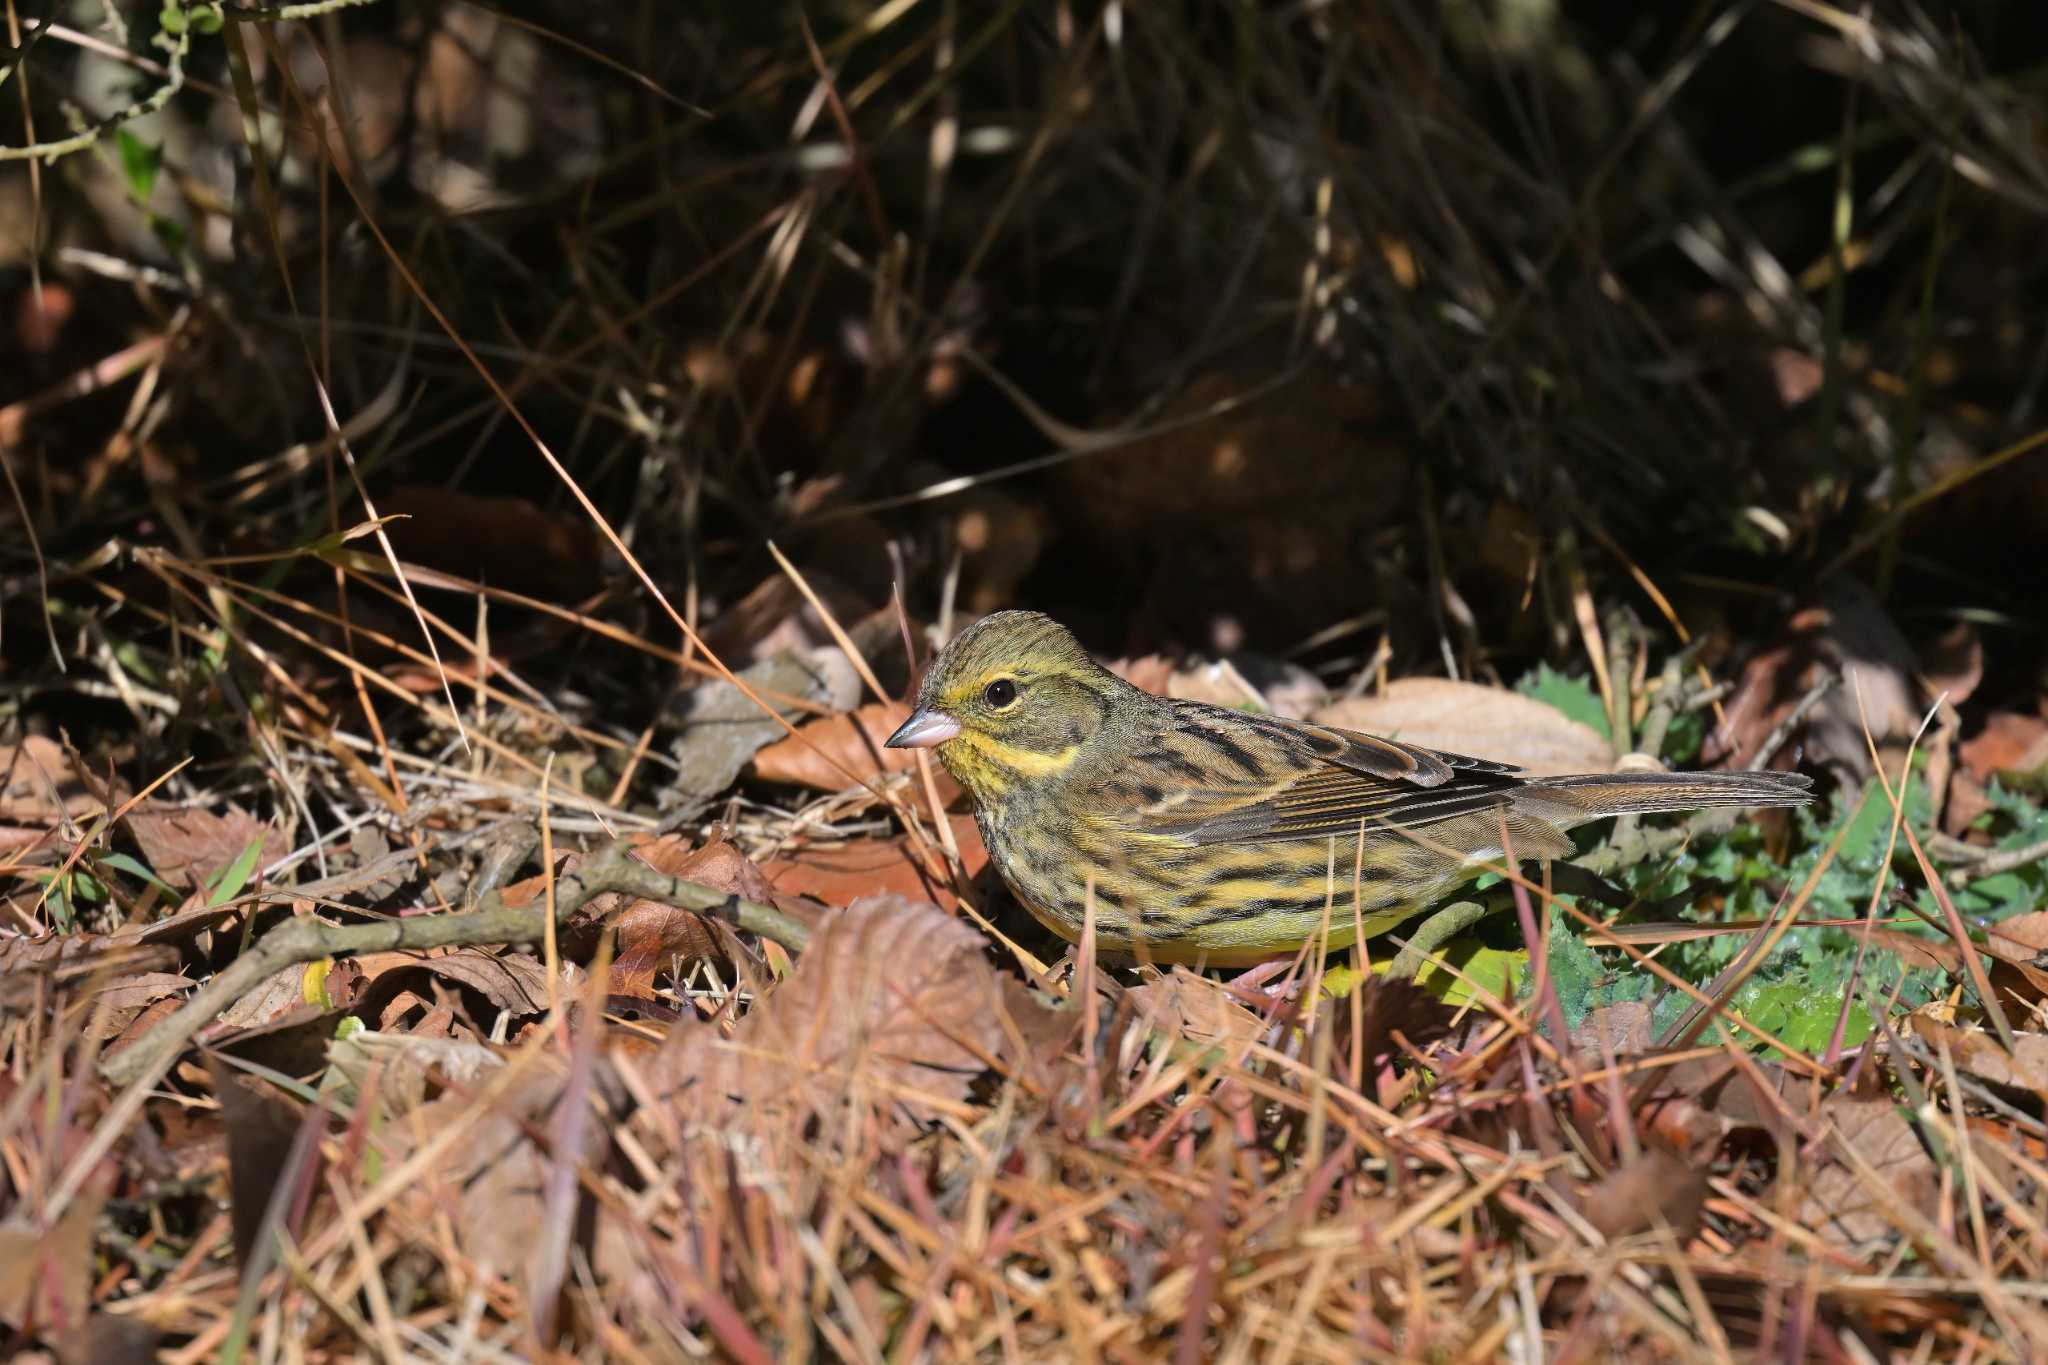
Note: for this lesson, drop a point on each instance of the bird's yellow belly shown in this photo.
(1227, 905)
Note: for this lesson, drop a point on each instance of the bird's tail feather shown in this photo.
(1594, 796)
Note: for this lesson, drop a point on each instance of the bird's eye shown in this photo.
(999, 693)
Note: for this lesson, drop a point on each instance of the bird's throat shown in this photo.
(990, 769)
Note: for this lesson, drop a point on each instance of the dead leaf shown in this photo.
(1616, 1030)
(1978, 1054)
(1693, 1104)
(653, 935)
(1387, 1006)
(1967, 802)
(46, 1273)
(187, 845)
(1915, 950)
(1280, 688)
(502, 540)
(405, 1066)
(1848, 635)
(1839, 1203)
(1657, 1183)
(1482, 722)
(839, 873)
(514, 982)
(1147, 672)
(721, 728)
(262, 1128)
(823, 752)
(775, 617)
(124, 999)
(1952, 663)
(1184, 1004)
(61, 961)
(492, 1185)
(893, 1004)
(2011, 747)
(269, 1001)
(2028, 931)
(37, 780)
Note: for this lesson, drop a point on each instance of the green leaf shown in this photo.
(1800, 1009)
(140, 163)
(230, 883)
(168, 231)
(123, 862)
(1489, 969)
(1683, 741)
(1569, 695)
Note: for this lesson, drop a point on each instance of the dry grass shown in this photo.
(529, 430)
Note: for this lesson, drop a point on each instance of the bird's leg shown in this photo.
(1433, 933)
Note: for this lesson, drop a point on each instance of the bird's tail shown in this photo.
(1568, 801)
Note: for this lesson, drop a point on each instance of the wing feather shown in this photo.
(1270, 779)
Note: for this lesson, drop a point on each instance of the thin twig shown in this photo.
(1994, 861)
(1775, 740)
(492, 922)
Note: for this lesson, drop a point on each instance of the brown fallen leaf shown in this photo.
(120, 1001)
(493, 1184)
(63, 961)
(262, 1128)
(272, 999)
(1183, 1004)
(2019, 953)
(1613, 1031)
(405, 1066)
(46, 1272)
(2028, 932)
(1977, 1054)
(1692, 1105)
(1952, 662)
(37, 780)
(2011, 747)
(507, 542)
(187, 845)
(720, 727)
(514, 982)
(1915, 950)
(1482, 722)
(1839, 1202)
(1387, 1007)
(892, 1005)
(1147, 672)
(1847, 634)
(1288, 691)
(839, 873)
(652, 935)
(1655, 1184)
(824, 751)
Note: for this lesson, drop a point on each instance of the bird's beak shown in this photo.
(923, 730)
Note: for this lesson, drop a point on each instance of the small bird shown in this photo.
(1204, 834)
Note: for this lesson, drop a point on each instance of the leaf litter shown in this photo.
(898, 1124)
(884, 1128)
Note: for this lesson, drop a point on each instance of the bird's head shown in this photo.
(1011, 704)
